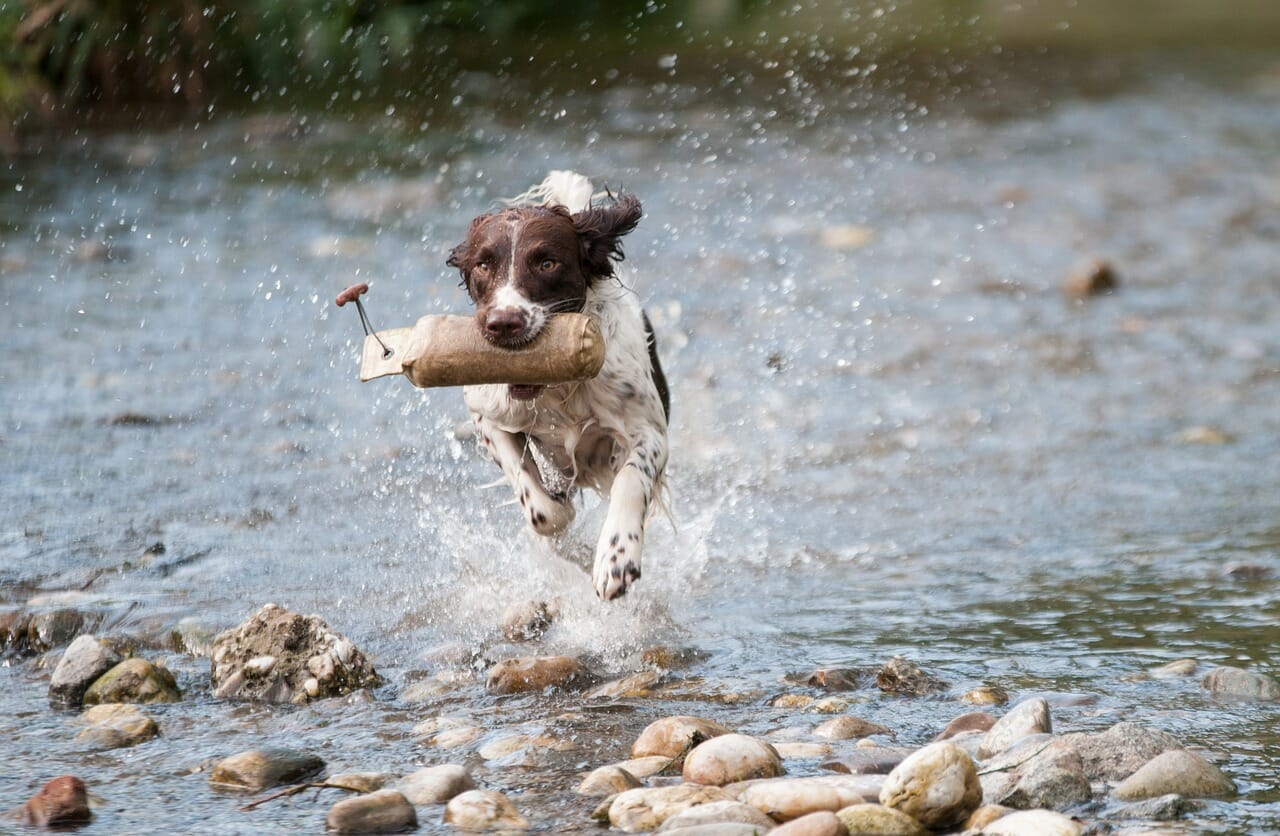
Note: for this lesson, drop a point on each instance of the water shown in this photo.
(915, 446)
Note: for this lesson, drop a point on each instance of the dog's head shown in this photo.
(523, 264)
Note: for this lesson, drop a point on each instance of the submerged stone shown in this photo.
(134, 681)
(262, 769)
(384, 811)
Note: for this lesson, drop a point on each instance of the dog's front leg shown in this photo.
(617, 561)
(547, 515)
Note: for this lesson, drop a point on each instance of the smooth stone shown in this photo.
(59, 803)
(450, 655)
(431, 688)
(362, 781)
(1053, 778)
(606, 781)
(986, 695)
(116, 726)
(801, 751)
(86, 659)
(506, 749)
(672, 736)
(877, 820)
(718, 812)
(848, 727)
(784, 799)
(1178, 771)
(646, 766)
(846, 236)
(1175, 669)
(534, 673)
(985, 815)
(452, 738)
(876, 760)
(838, 679)
(717, 829)
(527, 620)
(134, 681)
(731, 758)
(973, 721)
(1027, 717)
(1118, 752)
(483, 810)
(310, 661)
(384, 811)
(937, 786)
(898, 676)
(48, 630)
(635, 685)
(1094, 277)
(814, 824)
(1237, 682)
(262, 769)
(435, 784)
(646, 808)
(1033, 823)
(671, 658)
(1163, 808)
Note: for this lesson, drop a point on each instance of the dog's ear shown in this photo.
(463, 256)
(600, 229)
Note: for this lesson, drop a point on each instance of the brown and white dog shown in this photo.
(554, 251)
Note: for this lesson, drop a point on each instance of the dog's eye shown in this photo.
(482, 268)
(548, 264)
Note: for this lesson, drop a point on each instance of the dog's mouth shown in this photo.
(524, 391)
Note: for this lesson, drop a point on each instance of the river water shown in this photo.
(892, 433)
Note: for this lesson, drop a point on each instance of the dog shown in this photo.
(555, 249)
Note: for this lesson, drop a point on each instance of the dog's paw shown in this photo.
(617, 565)
(547, 516)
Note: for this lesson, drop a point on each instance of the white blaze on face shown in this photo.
(507, 295)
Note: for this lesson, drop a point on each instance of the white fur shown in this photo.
(608, 433)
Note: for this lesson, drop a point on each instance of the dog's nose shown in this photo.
(504, 324)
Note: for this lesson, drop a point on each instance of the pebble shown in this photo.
(1053, 778)
(527, 620)
(986, 695)
(1211, 436)
(672, 736)
(815, 824)
(534, 673)
(606, 781)
(985, 815)
(1093, 278)
(645, 766)
(671, 658)
(1237, 682)
(898, 676)
(635, 685)
(783, 799)
(848, 727)
(1174, 669)
(1163, 808)
(715, 829)
(116, 726)
(1118, 752)
(279, 656)
(384, 811)
(262, 769)
(973, 721)
(846, 236)
(1033, 823)
(436, 685)
(362, 781)
(646, 808)
(731, 758)
(937, 786)
(876, 760)
(838, 679)
(83, 662)
(134, 681)
(59, 803)
(454, 737)
(876, 820)
(435, 784)
(718, 812)
(801, 751)
(1178, 771)
(483, 810)
(1027, 717)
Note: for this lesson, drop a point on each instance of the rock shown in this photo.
(846, 236)
(1164, 808)
(801, 751)
(435, 784)
(937, 786)
(55, 628)
(450, 655)
(973, 721)
(1244, 571)
(898, 676)
(506, 749)
(847, 727)
(452, 738)
(838, 679)
(61, 802)
(483, 810)
(790, 798)
(308, 660)
(730, 758)
(875, 820)
(672, 736)
(1205, 435)
(1174, 669)
(436, 685)
(84, 661)
(1236, 682)
(134, 681)
(1177, 771)
(1053, 778)
(606, 781)
(262, 769)
(648, 765)
(814, 824)
(646, 808)
(1116, 753)
(1033, 823)
(527, 620)
(635, 685)
(362, 781)
(1027, 717)
(671, 658)
(986, 695)
(116, 727)
(1093, 278)
(384, 811)
(14, 625)
(716, 829)
(718, 812)
(985, 815)
(535, 673)
(876, 760)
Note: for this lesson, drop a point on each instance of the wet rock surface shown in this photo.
(1052, 777)
(877, 820)
(384, 811)
(898, 676)
(847, 727)
(1178, 771)
(784, 799)
(606, 781)
(279, 656)
(134, 681)
(1027, 717)
(1162, 808)
(937, 786)
(673, 736)
(61, 803)
(258, 770)
(1118, 752)
(646, 808)
(730, 758)
(527, 620)
(86, 659)
(974, 721)
(1227, 681)
(115, 726)
(536, 673)
(483, 810)
(435, 784)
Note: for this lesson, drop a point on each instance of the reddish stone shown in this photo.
(61, 801)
